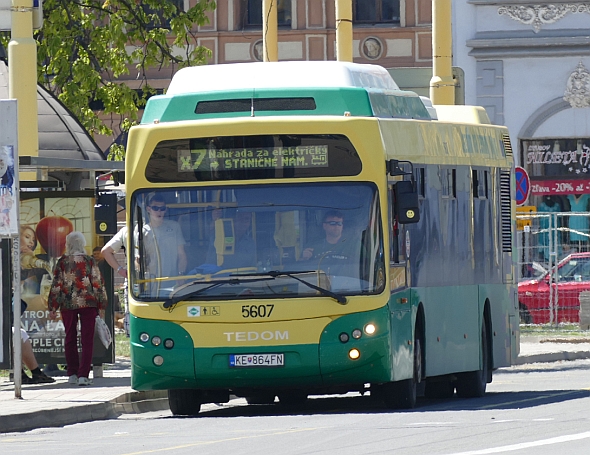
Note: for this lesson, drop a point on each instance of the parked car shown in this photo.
(573, 277)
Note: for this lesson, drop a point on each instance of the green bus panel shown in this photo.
(312, 365)
(328, 101)
(402, 320)
(374, 363)
(453, 318)
(177, 370)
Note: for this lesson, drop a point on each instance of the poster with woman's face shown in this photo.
(44, 224)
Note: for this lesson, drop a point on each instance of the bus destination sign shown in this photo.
(299, 157)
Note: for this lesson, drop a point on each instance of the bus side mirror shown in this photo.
(406, 206)
(105, 213)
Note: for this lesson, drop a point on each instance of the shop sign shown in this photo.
(560, 186)
(556, 157)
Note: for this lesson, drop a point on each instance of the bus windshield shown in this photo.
(230, 242)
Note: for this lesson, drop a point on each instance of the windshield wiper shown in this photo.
(173, 298)
(277, 273)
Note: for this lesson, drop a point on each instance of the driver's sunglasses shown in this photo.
(334, 223)
(158, 208)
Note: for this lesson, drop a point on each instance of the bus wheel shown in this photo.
(261, 398)
(473, 384)
(402, 394)
(439, 389)
(293, 399)
(185, 402)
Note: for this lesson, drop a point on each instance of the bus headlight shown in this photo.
(156, 341)
(370, 328)
(356, 334)
(144, 337)
(354, 354)
(343, 337)
(168, 343)
(158, 360)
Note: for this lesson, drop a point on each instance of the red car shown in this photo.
(573, 277)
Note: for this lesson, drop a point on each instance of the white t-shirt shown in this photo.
(161, 248)
(119, 239)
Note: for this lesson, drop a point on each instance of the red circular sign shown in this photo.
(523, 185)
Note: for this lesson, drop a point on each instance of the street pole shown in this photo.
(22, 78)
(22, 86)
(344, 33)
(442, 85)
(270, 33)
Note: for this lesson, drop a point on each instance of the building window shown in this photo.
(375, 11)
(252, 13)
(159, 21)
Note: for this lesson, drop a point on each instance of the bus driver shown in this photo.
(333, 252)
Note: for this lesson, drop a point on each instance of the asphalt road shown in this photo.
(531, 409)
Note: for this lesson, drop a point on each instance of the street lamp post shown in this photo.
(22, 86)
(22, 78)
(270, 33)
(344, 30)
(442, 84)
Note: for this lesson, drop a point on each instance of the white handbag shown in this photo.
(101, 328)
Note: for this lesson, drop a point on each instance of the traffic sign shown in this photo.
(523, 185)
(523, 221)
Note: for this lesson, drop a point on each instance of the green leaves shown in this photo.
(107, 54)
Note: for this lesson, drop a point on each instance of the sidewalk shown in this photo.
(59, 404)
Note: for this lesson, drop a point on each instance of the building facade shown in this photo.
(529, 66)
(390, 33)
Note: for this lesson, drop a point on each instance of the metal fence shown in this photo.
(553, 266)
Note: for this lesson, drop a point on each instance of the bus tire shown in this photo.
(473, 384)
(260, 398)
(185, 402)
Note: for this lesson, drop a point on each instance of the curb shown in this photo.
(128, 403)
(552, 357)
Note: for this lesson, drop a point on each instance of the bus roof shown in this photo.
(288, 74)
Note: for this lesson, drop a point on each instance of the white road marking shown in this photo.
(526, 445)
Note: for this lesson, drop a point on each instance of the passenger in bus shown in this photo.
(163, 241)
(333, 251)
(108, 251)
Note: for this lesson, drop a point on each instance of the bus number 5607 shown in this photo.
(257, 311)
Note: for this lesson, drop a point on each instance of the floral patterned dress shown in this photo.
(77, 283)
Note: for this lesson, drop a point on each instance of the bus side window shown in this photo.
(393, 230)
(420, 176)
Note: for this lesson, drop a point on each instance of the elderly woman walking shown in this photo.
(78, 291)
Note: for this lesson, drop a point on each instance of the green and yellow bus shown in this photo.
(306, 228)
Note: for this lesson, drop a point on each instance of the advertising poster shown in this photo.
(45, 221)
(8, 225)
